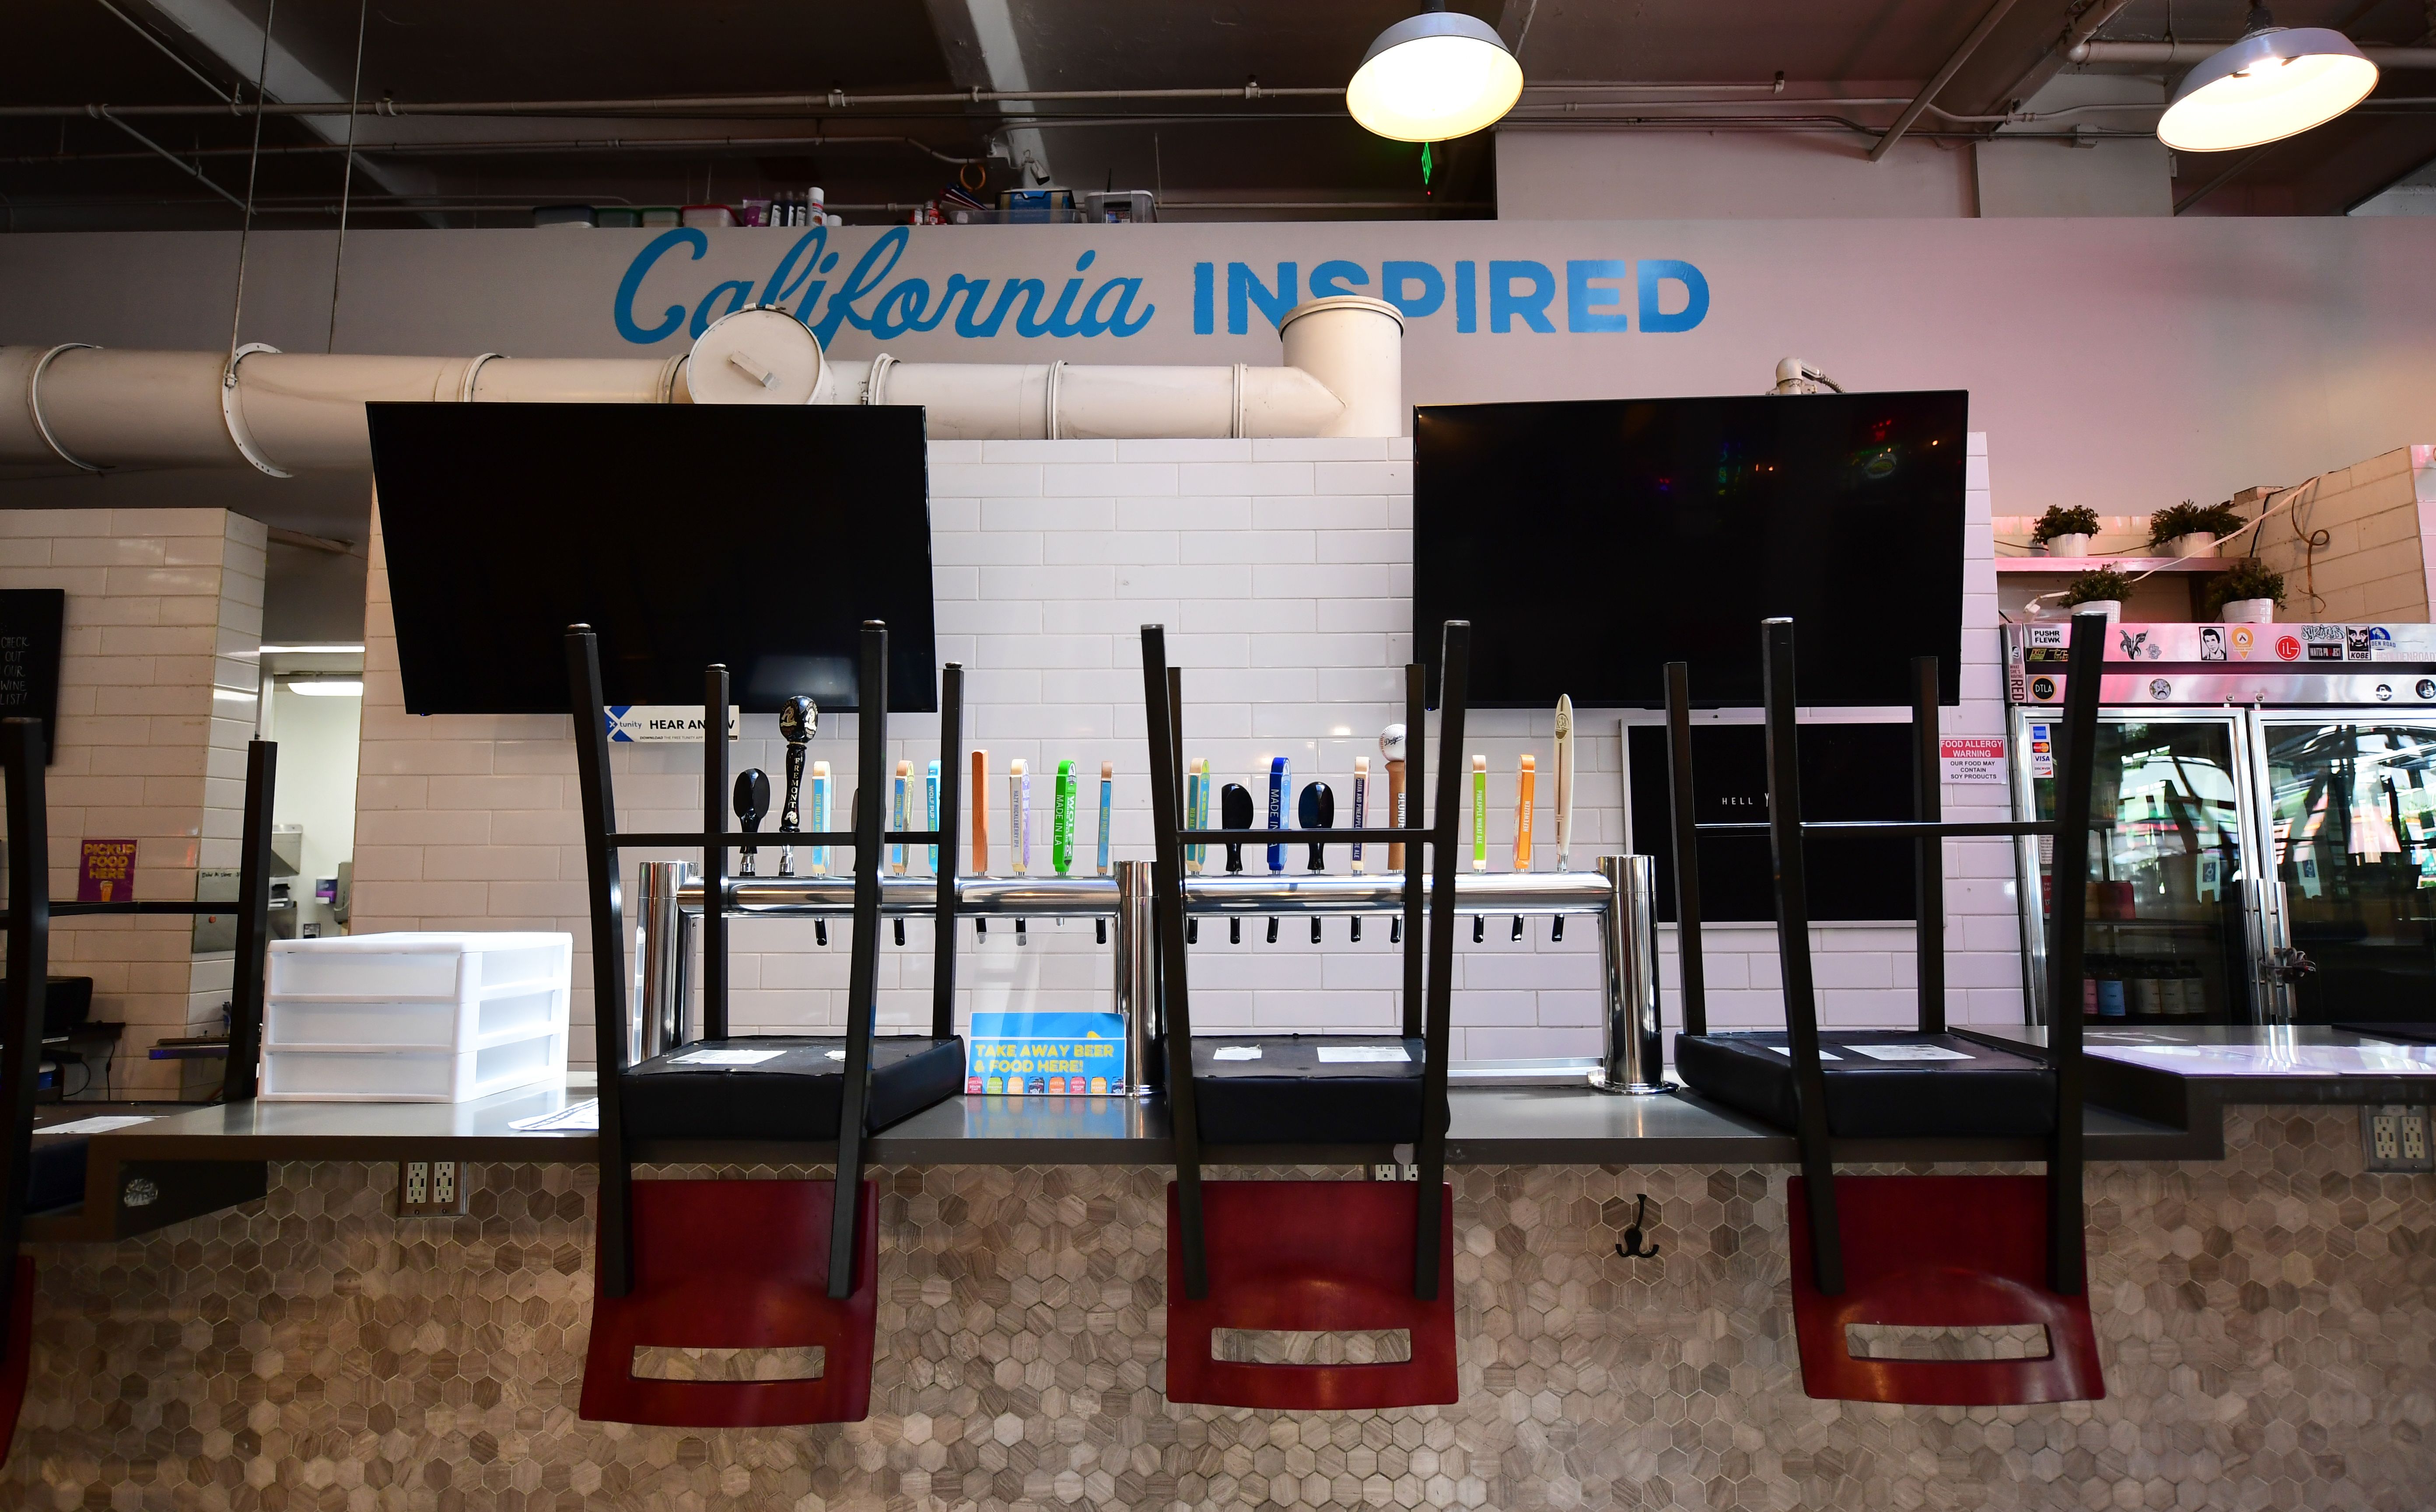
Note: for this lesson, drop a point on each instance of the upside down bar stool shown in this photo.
(752, 1264)
(1312, 1255)
(1923, 1252)
(57, 1166)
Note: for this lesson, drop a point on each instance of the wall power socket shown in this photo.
(430, 1189)
(2395, 1137)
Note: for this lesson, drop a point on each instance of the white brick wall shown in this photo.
(1293, 627)
(157, 691)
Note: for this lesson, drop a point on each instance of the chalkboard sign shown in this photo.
(30, 620)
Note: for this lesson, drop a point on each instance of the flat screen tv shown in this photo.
(1847, 771)
(1591, 541)
(757, 535)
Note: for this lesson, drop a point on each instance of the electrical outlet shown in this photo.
(430, 1189)
(2395, 1137)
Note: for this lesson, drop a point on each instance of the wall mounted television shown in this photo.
(758, 535)
(1591, 542)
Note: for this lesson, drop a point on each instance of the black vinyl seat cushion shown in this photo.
(54, 1177)
(1953, 1087)
(1289, 1094)
(793, 1094)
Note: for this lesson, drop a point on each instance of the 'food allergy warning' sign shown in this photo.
(1972, 757)
(1046, 1054)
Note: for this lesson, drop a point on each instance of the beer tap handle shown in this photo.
(752, 804)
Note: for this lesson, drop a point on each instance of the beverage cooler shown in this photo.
(2263, 816)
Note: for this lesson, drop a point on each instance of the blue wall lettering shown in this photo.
(1394, 276)
(739, 293)
(1587, 306)
(1337, 276)
(1466, 301)
(1656, 270)
(623, 312)
(1245, 286)
(1505, 303)
(1204, 320)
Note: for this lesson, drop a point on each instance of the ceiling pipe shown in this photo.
(2175, 54)
(724, 104)
(96, 411)
(1927, 96)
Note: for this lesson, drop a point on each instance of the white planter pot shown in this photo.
(2110, 608)
(2197, 544)
(2067, 546)
(2249, 612)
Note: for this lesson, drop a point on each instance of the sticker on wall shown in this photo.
(2212, 643)
(2041, 751)
(2242, 640)
(106, 873)
(2211, 876)
(1972, 757)
(1046, 1054)
(645, 723)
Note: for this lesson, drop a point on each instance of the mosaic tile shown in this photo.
(2264, 1322)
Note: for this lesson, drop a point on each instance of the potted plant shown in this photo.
(2100, 592)
(2185, 529)
(2244, 593)
(2064, 531)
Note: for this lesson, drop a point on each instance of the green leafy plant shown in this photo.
(2248, 578)
(2187, 518)
(2090, 587)
(2064, 520)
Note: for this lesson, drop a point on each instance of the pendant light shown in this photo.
(1429, 78)
(2275, 82)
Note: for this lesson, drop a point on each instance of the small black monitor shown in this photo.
(761, 536)
(1591, 541)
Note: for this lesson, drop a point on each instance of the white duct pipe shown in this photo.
(2173, 54)
(95, 410)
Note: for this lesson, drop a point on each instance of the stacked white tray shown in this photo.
(415, 1017)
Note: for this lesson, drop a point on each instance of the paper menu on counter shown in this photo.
(2278, 1060)
(576, 1117)
(97, 1125)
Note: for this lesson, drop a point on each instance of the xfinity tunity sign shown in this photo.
(662, 297)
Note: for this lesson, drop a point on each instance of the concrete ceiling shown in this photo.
(1232, 158)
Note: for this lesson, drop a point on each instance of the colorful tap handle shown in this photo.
(1391, 746)
(1279, 779)
(1361, 805)
(1524, 782)
(1061, 822)
(1107, 809)
(1564, 795)
(1480, 813)
(1018, 817)
(1196, 812)
(931, 796)
(899, 816)
(820, 815)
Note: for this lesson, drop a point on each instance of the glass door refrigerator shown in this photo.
(2263, 817)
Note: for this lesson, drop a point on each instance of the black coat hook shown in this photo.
(1632, 1247)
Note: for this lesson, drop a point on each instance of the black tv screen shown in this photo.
(1847, 771)
(1591, 541)
(757, 535)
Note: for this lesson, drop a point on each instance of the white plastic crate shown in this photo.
(423, 1018)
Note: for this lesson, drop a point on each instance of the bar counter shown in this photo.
(2263, 1305)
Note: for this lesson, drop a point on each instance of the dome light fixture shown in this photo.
(2275, 82)
(1430, 77)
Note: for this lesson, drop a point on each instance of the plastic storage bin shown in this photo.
(439, 1018)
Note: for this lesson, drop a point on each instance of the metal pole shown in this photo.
(1632, 1060)
(1136, 984)
(654, 1027)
